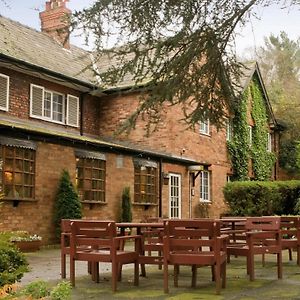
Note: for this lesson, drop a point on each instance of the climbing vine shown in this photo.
(263, 160)
(239, 147)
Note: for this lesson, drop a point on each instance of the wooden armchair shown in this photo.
(196, 243)
(97, 241)
(263, 236)
(290, 232)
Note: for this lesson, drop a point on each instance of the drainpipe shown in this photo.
(160, 189)
(81, 98)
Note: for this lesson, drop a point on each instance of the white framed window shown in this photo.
(204, 127)
(4, 92)
(50, 106)
(269, 142)
(204, 186)
(229, 130)
(250, 135)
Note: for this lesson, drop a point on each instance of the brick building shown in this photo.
(52, 117)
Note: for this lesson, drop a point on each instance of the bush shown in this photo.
(258, 198)
(62, 291)
(67, 202)
(13, 263)
(126, 206)
(36, 289)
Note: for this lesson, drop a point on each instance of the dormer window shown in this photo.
(53, 106)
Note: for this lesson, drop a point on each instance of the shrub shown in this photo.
(67, 204)
(36, 289)
(126, 215)
(257, 198)
(13, 263)
(62, 291)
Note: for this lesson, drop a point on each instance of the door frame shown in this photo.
(179, 193)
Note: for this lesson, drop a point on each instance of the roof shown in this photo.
(38, 49)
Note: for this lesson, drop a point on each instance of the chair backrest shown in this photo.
(93, 233)
(65, 225)
(192, 234)
(290, 226)
(263, 223)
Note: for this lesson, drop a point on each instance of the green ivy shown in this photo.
(239, 149)
(263, 160)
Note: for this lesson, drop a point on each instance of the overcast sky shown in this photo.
(271, 20)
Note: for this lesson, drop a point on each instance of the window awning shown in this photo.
(138, 162)
(89, 154)
(12, 142)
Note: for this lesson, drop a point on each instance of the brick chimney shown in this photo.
(54, 21)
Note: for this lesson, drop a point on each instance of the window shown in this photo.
(269, 142)
(204, 127)
(90, 179)
(229, 130)
(204, 186)
(50, 106)
(250, 135)
(4, 92)
(145, 183)
(17, 172)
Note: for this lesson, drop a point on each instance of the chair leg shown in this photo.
(136, 273)
(114, 275)
(218, 278)
(194, 275)
(166, 277)
(63, 265)
(263, 260)
(290, 255)
(176, 271)
(298, 255)
(223, 270)
(72, 271)
(251, 267)
(279, 264)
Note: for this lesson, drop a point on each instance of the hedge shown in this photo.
(262, 198)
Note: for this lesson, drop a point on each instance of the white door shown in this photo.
(175, 196)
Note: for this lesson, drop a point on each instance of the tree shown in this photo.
(180, 51)
(67, 204)
(279, 59)
(126, 215)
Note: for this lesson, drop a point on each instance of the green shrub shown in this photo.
(126, 206)
(258, 198)
(62, 291)
(36, 289)
(67, 202)
(13, 263)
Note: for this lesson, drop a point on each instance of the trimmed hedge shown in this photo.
(262, 198)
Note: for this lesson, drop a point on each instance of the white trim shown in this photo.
(250, 128)
(229, 130)
(7, 92)
(206, 131)
(208, 186)
(269, 142)
(179, 194)
(67, 111)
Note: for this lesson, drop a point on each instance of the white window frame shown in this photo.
(229, 130)
(250, 135)
(7, 93)
(204, 196)
(51, 111)
(204, 127)
(269, 142)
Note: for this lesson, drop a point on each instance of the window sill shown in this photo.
(144, 203)
(15, 199)
(205, 134)
(93, 202)
(205, 201)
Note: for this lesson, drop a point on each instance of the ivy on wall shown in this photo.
(239, 147)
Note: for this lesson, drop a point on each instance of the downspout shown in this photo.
(81, 98)
(160, 189)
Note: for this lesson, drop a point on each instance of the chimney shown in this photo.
(54, 21)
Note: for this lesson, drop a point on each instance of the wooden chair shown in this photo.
(151, 248)
(64, 245)
(196, 243)
(263, 236)
(97, 241)
(290, 233)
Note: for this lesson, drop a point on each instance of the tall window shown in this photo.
(145, 184)
(54, 106)
(205, 186)
(229, 130)
(250, 135)
(17, 172)
(269, 142)
(90, 176)
(204, 127)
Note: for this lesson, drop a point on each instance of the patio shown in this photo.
(45, 265)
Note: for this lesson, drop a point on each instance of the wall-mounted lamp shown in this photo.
(166, 177)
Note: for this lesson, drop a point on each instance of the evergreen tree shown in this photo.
(126, 206)
(67, 204)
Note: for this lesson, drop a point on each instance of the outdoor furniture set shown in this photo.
(190, 242)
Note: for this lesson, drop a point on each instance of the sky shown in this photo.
(271, 19)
